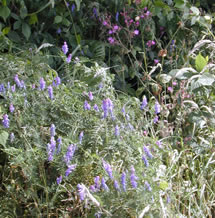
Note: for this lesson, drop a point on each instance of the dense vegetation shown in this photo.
(107, 108)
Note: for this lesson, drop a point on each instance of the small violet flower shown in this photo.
(90, 95)
(59, 141)
(157, 108)
(81, 191)
(144, 103)
(136, 32)
(70, 153)
(65, 48)
(156, 61)
(86, 105)
(147, 152)
(145, 161)
(81, 137)
(96, 108)
(117, 132)
(123, 181)
(17, 81)
(116, 185)
(70, 169)
(11, 108)
(50, 92)
(59, 180)
(52, 130)
(104, 185)
(133, 178)
(6, 121)
(42, 84)
(108, 169)
(68, 59)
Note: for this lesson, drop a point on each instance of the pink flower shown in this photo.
(111, 40)
(170, 89)
(115, 27)
(104, 23)
(136, 32)
(156, 61)
(110, 32)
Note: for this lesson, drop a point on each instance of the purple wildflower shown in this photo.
(81, 191)
(108, 169)
(107, 106)
(12, 137)
(95, 12)
(104, 185)
(156, 61)
(97, 182)
(116, 185)
(157, 108)
(150, 43)
(52, 130)
(145, 161)
(130, 127)
(86, 105)
(70, 152)
(90, 95)
(123, 181)
(133, 177)
(117, 132)
(68, 59)
(93, 188)
(117, 16)
(50, 92)
(6, 121)
(59, 180)
(42, 84)
(159, 144)
(22, 84)
(155, 119)
(170, 89)
(11, 108)
(73, 7)
(51, 148)
(148, 186)
(57, 81)
(104, 23)
(136, 32)
(13, 88)
(65, 48)
(17, 81)
(70, 169)
(96, 108)
(111, 40)
(123, 110)
(110, 32)
(2, 88)
(8, 86)
(81, 136)
(59, 141)
(147, 152)
(59, 30)
(144, 103)
(115, 27)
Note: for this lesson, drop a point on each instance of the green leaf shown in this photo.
(23, 12)
(33, 19)
(3, 138)
(58, 19)
(206, 79)
(17, 25)
(163, 185)
(200, 62)
(4, 12)
(78, 4)
(13, 36)
(26, 30)
(164, 78)
(6, 30)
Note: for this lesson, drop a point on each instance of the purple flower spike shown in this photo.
(93, 188)
(52, 130)
(70, 169)
(73, 7)
(70, 152)
(11, 108)
(147, 152)
(17, 81)
(42, 84)
(6, 121)
(116, 185)
(155, 119)
(148, 187)
(81, 191)
(104, 185)
(144, 103)
(2, 88)
(86, 105)
(59, 180)
(50, 92)
(68, 60)
(145, 161)
(57, 81)
(133, 177)
(90, 95)
(13, 88)
(96, 108)
(81, 136)
(97, 182)
(65, 48)
(157, 108)
(117, 132)
(108, 169)
(51, 148)
(117, 16)
(123, 181)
